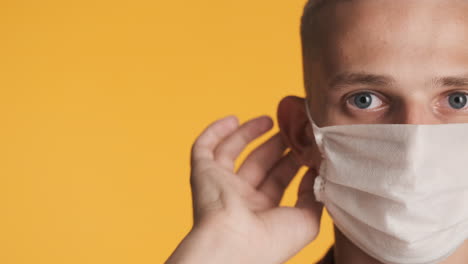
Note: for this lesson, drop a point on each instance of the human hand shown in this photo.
(237, 217)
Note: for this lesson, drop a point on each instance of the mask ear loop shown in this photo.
(316, 130)
(319, 182)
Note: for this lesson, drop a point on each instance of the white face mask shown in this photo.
(397, 191)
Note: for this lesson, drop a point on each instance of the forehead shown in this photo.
(397, 37)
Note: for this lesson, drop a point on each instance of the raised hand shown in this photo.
(237, 217)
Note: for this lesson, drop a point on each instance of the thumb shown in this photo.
(306, 202)
(293, 228)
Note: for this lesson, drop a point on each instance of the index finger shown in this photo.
(207, 141)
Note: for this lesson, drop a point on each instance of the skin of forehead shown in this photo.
(340, 33)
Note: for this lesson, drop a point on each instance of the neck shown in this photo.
(348, 253)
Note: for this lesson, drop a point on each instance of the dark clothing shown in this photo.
(328, 258)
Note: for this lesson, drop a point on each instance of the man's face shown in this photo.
(391, 61)
(382, 61)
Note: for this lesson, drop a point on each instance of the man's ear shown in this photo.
(296, 131)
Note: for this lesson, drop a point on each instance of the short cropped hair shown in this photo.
(310, 7)
(311, 29)
(309, 37)
(311, 26)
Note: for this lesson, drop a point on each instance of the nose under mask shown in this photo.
(397, 191)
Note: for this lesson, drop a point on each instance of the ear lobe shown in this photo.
(296, 130)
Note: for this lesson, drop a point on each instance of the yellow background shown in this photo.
(100, 102)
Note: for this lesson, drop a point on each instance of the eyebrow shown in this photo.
(363, 78)
(451, 81)
(360, 78)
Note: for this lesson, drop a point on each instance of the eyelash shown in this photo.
(446, 99)
(348, 99)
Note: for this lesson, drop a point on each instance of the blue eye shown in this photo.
(457, 100)
(365, 100)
